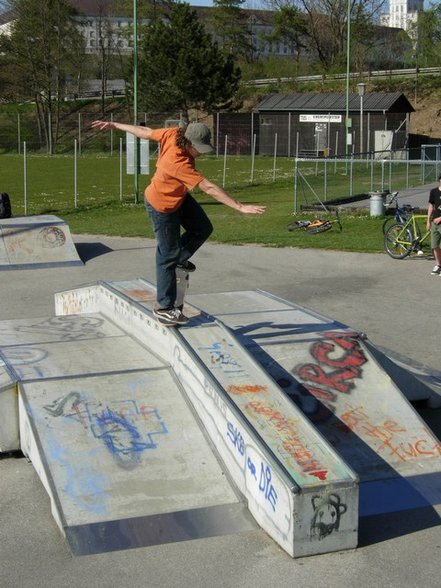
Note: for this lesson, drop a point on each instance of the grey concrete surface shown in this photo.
(395, 302)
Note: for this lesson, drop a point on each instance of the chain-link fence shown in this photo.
(87, 167)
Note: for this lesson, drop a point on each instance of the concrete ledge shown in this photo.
(32, 242)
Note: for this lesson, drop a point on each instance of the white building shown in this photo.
(402, 13)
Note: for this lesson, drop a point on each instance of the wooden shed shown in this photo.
(316, 124)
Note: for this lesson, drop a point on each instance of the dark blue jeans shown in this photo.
(172, 247)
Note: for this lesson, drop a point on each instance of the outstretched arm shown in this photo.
(137, 131)
(221, 196)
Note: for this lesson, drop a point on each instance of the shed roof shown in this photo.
(329, 102)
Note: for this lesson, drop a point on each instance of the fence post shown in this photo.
(79, 133)
(295, 184)
(120, 168)
(49, 132)
(217, 133)
(275, 157)
(253, 154)
(25, 180)
(75, 174)
(225, 161)
(18, 133)
(111, 135)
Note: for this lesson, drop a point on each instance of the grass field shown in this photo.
(101, 200)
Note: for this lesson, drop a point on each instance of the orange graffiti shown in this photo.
(246, 389)
(292, 442)
(357, 420)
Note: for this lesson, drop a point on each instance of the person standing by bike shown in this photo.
(434, 225)
(171, 206)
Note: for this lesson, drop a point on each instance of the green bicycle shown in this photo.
(402, 239)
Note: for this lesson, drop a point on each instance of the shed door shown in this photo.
(321, 136)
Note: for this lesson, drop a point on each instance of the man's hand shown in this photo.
(102, 125)
(252, 209)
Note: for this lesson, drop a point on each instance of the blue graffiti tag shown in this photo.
(221, 358)
(236, 438)
(121, 437)
(265, 482)
(266, 486)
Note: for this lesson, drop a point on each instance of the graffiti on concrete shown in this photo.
(338, 360)
(126, 428)
(65, 328)
(292, 443)
(51, 237)
(328, 511)
(390, 437)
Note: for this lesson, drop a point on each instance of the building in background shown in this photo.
(402, 13)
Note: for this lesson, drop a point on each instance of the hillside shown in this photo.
(427, 118)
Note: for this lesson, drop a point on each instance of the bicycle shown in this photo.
(402, 239)
(401, 214)
(316, 226)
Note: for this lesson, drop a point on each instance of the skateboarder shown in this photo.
(171, 206)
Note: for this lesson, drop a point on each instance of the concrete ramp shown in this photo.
(331, 373)
(125, 463)
(111, 435)
(28, 242)
(295, 485)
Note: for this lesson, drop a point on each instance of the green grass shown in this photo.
(100, 210)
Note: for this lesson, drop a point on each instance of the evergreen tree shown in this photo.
(231, 28)
(180, 67)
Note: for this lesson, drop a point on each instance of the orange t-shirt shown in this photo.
(175, 173)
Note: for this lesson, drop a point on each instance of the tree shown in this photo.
(426, 36)
(326, 25)
(231, 27)
(43, 40)
(180, 67)
(289, 26)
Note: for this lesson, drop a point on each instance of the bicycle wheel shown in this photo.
(392, 220)
(294, 225)
(398, 241)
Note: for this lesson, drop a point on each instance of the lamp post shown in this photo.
(348, 121)
(135, 97)
(361, 91)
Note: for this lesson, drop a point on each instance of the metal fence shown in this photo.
(80, 154)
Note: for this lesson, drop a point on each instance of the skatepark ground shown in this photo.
(396, 303)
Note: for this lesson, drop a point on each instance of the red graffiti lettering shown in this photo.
(353, 355)
(337, 380)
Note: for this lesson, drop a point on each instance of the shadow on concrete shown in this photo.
(88, 251)
(378, 528)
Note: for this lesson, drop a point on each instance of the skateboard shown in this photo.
(182, 284)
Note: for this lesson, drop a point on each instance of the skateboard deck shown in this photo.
(182, 284)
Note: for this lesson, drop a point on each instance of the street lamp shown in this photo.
(135, 96)
(348, 121)
(361, 91)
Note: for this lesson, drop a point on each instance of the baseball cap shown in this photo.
(200, 137)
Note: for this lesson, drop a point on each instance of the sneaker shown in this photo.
(170, 316)
(436, 270)
(187, 266)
